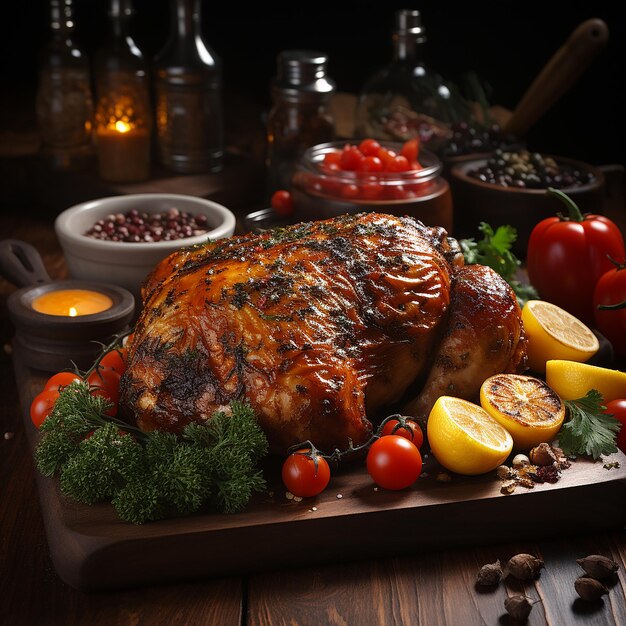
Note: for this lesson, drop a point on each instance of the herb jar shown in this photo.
(320, 192)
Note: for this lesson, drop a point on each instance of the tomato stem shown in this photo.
(612, 307)
(575, 214)
(618, 265)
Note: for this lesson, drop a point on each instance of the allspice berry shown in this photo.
(490, 574)
(590, 589)
(598, 566)
(542, 455)
(524, 566)
(518, 607)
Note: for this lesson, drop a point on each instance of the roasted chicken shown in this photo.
(321, 327)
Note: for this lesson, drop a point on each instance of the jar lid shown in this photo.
(303, 71)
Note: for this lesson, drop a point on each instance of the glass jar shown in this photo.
(188, 86)
(300, 117)
(64, 104)
(123, 119)
(320, 193)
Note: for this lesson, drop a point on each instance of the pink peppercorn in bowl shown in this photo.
(134, 232)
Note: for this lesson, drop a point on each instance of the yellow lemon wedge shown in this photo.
(573, 380)
(464, 438)
(525, 406)
(553, 333)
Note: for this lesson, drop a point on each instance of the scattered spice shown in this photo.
(490, 574)
(611, 465)
(8, 436)
(590, 589)
(520, 460)
(518, 607)
(288, 495)
(542, 455)
(527, 482)
(525, 566)
(505, 472)
(339, 496)
(508, 488)
(598, 566)
(442, 477)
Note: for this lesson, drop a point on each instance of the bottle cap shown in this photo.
(303, 71)
(408, 23)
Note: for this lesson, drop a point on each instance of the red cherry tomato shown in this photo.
(106, 383)
(371, 164)
(332, 160)
(412, 432)
(42, 406)
(411, 149)
(386, 156)
(369, 147)
(282, 202)
(62, 379)
(611, 290)
(371, 191)
(302, 477)
(399, 164)
(351, 158)
(115, 360)
(394, 462)
(349, 191)
(617, 408)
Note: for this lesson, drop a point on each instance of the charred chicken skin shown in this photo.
(320, 326)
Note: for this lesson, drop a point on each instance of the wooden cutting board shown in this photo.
(92, 549)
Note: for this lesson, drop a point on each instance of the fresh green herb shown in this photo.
(150, 476)
(588, 430)
(494, 250)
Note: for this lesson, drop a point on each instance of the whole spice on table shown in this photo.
(598, 566)
(490, 574)
(590, 589)
(542, 455)
(524, 566)
(518, 607)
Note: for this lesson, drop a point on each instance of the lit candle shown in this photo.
(72, 302)
(123, 152)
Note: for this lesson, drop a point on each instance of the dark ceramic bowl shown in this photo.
(476, 201)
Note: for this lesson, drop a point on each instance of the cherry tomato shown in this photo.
(115, 360)
(349, 191)
(62, 379)
(386, 156)
(282, 202)
(371, 191)
(300, 475)
(399, 164)
(371, 164)
(394, 462)
(332, 160)
(369, 147)
(413, 432)
(351, 158)
(617, 408)
(106, 383)
(611, 290)
(42, 406)
(410, 149)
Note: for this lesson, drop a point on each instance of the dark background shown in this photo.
(505, 43)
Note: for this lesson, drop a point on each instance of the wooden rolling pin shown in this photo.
(559, 74)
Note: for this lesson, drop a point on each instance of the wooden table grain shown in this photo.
(432, 588)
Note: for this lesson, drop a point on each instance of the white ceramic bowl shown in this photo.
(128, 264)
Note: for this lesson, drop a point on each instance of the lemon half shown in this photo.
(553, 333)
(573, 380)
(464, 438)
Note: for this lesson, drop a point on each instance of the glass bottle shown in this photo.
(406, 99)
(123, 118)
(64, 104)
(300, 117)
(188, 85)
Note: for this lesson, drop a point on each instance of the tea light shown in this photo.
(123, 152)
(72, 302)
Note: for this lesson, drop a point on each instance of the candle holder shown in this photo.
(51, 342)
(123, 117)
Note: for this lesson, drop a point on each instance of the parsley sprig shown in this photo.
(588, 430)
(494, 250)
(150, 476)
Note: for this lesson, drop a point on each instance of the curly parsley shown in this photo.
(151, 476)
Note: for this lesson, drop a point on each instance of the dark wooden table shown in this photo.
(436, 588)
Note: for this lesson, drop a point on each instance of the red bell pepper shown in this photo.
(566, 257)
(609, 307)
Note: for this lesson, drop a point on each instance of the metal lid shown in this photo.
(408, 23)
(303, 71)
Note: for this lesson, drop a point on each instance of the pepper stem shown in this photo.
(574, 212)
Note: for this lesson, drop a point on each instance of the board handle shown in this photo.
(21, 264)
(559, 74)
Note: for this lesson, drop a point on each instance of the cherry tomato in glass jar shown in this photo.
(369, 147)
(282, 202)
(305, 473)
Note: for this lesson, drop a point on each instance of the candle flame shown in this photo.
(73, 311)
(122, 127)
